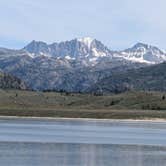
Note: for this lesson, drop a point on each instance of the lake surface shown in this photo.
(26, 142)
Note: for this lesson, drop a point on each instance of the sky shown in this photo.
(119, 24)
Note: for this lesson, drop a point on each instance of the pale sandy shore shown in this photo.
(84, 119)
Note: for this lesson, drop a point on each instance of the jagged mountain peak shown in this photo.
(35, 42)
(144, 46)
(141, 47)
(36, 47)
(139, 44)
(92, 50)
(144, 53)
(79, 48)
(86, 40)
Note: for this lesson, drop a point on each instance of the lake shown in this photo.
(63, 142)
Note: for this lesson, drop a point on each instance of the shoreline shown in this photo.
(157, 120)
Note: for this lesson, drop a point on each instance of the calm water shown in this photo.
(82, 143)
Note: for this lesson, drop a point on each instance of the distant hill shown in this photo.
(10, 82)
(151, 78)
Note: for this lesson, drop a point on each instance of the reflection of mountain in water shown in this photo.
(80, 155)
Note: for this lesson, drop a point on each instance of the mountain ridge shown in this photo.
(152, 78)
(73, 65)
(88, 47)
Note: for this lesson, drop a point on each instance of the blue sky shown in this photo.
(117, 23)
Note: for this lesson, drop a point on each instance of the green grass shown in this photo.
(135, 105)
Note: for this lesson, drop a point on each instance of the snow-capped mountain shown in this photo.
(76, 49)
(93, 51)
(74, 65)
(144, 53)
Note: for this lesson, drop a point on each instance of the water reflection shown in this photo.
(50, 154)
(82, 143)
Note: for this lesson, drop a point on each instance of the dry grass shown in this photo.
(135, 105)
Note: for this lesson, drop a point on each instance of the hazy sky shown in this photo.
(117, 23)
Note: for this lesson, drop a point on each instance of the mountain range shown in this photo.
(93, 51)
(77, 65)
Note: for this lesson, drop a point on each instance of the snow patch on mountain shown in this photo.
(139, 59)
(98, 53)
(69, 57)
(87, 48)
(86, 40)
(143, 53)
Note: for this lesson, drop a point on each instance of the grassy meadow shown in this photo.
(129, 105)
